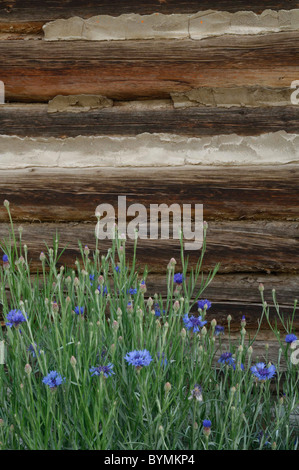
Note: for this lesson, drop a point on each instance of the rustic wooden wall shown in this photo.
(253, 212)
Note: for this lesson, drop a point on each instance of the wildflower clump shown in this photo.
(99, 355)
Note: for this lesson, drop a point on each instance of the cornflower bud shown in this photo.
(73, 361)
(28, 369)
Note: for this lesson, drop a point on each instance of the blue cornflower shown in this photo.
(163, 361)
(79, 310)
(105, 370)
(193, 322)
(219, 330)
(260, 436)
(178, 278)
(290, 338)
(91, 277)
(117, 269)
(196, 393)
(53, 379)
(132, 291)
(206, 423)
(5, 258)
(33, 349)
(241, 366)
(158, 310)
(15, 318)
(105, 290)
(139, 359)
(204, 304)
(227, 358)
(263, 372)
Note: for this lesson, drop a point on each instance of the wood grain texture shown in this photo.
(239, 246)
(247, 192)
(35, 121)
(48, 10)
(37, 71)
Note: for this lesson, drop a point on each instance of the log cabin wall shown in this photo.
(161, 101)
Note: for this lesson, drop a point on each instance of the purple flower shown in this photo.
(132, 291)
(15, 318)
(204, 304)
(5, 258)
(263, 372)
(219, 330)
(193, 322)
(178, 278)
(53, 379)
(79, 310)
(139, 359)
(196, 393)
(157, 310)
(163, 361)
(33, 349)
(290, 338)
(105, 370)
(206, 423)
(240, 367)
(117, 269)
(227, 358)
(105, 290)
(91, 277)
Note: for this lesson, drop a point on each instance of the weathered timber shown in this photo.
(48, 10)
(37, 71)
(35, 121)
(239, 246)
(226, 192)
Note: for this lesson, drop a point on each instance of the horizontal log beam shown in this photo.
(48, 10)
(225, 192)
(35, 121)
(238, 246)
(37, 71)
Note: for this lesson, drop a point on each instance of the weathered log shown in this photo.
(38, 71)
(226, 192)
(48, 10)
(35, 121)
(238, 246)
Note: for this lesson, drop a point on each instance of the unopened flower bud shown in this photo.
(203, 331)
(28, 369)
(171, 263)
(119, 312)
(167, 387)
(73, 361)
(142, 287)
